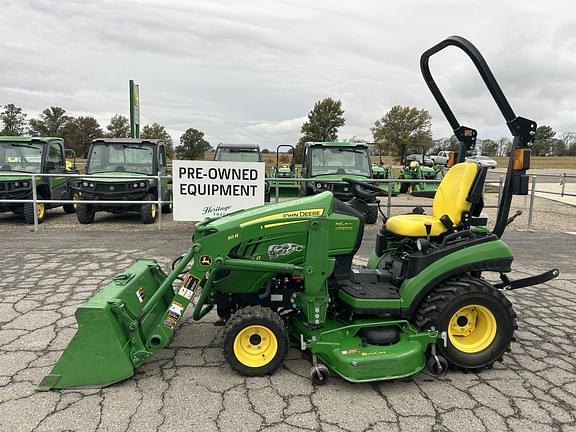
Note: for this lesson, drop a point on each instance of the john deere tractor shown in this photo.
(380, 171)
(285, 175)
(281, 273)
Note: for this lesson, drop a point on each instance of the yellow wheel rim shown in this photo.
(153, 211)
(40, 210)
(255, 346)
(472, 328)
(75, 197)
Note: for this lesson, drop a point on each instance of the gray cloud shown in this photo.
(251, 71)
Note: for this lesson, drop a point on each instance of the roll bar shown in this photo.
(278, 155)
(522, 129)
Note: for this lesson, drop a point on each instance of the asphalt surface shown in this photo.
(45, 276)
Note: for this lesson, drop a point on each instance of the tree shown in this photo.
(569, 139)
(489, 147)
(157, 131)
(543, 142)
(13, 119)
(50, 122)
(322, 125)
(404, 130)
(119, 127)
(504, 147)
(192, 145)
(444, 144)
(79, 132)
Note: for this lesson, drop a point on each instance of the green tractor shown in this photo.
(416, 170)
(326, 164)
(285, 175)
(124, 162)
(22, 155)
(283, 272)
(380, 171)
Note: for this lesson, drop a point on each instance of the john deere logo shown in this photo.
(111, 188)
(205, 260)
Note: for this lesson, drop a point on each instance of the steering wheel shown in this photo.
(359, 189)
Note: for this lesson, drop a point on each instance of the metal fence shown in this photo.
(275, 191)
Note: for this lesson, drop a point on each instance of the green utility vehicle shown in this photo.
(285, 173)
(326, 164)
(23, 155)
(241, 153)
(117, 170)
(238, 153)
(284, 272)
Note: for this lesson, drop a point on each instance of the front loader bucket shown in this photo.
(108, 344)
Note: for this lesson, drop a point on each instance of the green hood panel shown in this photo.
(116, 176)
(239, 219)
(11, 178)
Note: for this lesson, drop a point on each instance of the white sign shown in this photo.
(204, 189)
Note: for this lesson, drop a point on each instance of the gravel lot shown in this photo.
(45, 276)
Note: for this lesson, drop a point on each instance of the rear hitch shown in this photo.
(509, 285)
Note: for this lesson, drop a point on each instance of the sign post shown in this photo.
(204, 189)
(134, 110)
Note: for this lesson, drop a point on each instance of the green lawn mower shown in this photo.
(382, 172)
(283, 272)
(416, 171)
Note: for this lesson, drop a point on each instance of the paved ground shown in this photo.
(189, 387)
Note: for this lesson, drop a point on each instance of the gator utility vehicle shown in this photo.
(326, 164)
(285, 271)
(22, 155)
(115, 168)
(238, 153)
(241, 153)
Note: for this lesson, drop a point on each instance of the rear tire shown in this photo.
(71, 208)
(167, 208)
(148, 212)
(85, 213)
(478, 319)
(255, 341)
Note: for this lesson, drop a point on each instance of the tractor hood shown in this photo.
(11, 177)
(315, 205)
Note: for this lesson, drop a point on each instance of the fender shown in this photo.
(491, 256)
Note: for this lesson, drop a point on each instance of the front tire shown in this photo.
(71, 208)
(256, 341)
(478, 319)
(85, 213)
(40, 211)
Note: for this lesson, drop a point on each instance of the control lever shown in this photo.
(511, 218)
(428, 228)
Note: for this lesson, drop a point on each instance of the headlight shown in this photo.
(142, 184)
(135, 185)
(24, 184)
(16, 184)
(91, 185)
(85, 184)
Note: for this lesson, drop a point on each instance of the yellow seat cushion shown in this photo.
(450, 199)
(412, 225)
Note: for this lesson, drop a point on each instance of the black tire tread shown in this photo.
(85, 214)
(429, 310)
(251, 314)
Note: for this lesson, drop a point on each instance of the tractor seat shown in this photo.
(452, 199)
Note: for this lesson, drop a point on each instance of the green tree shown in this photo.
(444, 144)
(13, 119)
(79, 132)
(322, 124)
(119, 127)
(489, 147)
(192, 145)
(50, 122)
(543, 142)
(403, 130)
(157, 131)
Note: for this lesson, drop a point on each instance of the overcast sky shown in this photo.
(250, 71)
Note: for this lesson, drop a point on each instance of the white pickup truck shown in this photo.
(441, 158)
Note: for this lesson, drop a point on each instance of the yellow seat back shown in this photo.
(451, 196)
